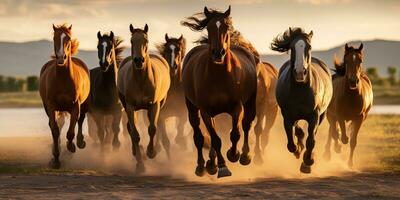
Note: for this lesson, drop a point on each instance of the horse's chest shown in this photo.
(348, 108)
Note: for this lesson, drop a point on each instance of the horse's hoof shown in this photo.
(71, 147)
(258, 160)
(338, 148)
(199, 170)
(345, 139)
(233, 157)
(140, 168)
(54, 164)
(81, 144)
(211, 167)
(327, 155)
(151, 152)
(306, 169)
(292, 148)
(224, 172)
(245, 159)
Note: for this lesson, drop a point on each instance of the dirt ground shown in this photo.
(90, 173)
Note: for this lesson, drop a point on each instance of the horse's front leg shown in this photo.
(115, 128)
(152, 114)
(75, 112)
(135, 137)
(55, 131)
(80, 138)
(249, 114)
(343, 131)
(237, 116)
(308, 160)
(355, 128)
(162, 135)
(293, 148)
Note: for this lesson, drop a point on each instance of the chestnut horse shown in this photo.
(173, 50)
(64, 87)
(143, 83)
(351, 101)
(303, 92)
(105, 107)
(219, 78)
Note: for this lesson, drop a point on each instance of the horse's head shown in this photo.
(353, 58)
(300, 56)
(139, 45)
(62, 44)
(105, 47)
(218, 28)
(173, 50)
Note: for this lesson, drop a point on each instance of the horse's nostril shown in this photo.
(305, 72)
(222, 52)
(65, 57)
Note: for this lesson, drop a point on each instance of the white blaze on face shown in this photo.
(218, 24)
(61, 50)
(354, 58)
(104, 52)
(172, 47)
(300, 60)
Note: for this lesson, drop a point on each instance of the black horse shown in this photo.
(303, 92)
(105, 109)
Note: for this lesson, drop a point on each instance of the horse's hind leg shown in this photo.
(194, 119)
(343, 137)
(249, 115)
(355, 128)
(209, 122)
(75, 113)
(270, 118)
(237, 116)
(308, 159)
(180, 138)
(55, 131)
(115, 128)
(258, 130)
(331, 134)
(152, 114)
(293, 148)
(162, 135)
(82, 114)
(299, 133)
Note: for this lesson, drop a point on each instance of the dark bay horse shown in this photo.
(143, 83)
(351, 101)
(173, 51)
(303, 92)
(64, 87)
(104, 105)
(219, 78)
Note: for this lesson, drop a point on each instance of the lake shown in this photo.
(34, 122)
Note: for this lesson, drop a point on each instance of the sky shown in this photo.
(333, 22)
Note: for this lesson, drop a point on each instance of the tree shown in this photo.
(2, 84)
(392, 71)
(11, 84)
(32, 83)
(373, 74)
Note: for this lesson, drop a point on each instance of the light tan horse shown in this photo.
(351, 101)
(64, 86)
(143, 83)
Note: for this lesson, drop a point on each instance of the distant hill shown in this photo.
(22, 59)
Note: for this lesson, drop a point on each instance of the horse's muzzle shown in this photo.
(353, 83)
(61, 60)
(218, 55)
(300, 76)
(138, 62)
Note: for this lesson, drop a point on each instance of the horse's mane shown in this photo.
(74, 41)
(340, 69)
(199, 21)
(281, 43)
(161, 46)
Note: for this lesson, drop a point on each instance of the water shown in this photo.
(34, 122)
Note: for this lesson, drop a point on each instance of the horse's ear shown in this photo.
(54, 28)
(206, 11)
(146, 28)
(360, 48)
(228, 12)
(346, 47)
(131, 28)
(98, 35)
(181, 38)
(112, 35)
(310, 34)
(166, 37)
(290, 30)
(70, 28)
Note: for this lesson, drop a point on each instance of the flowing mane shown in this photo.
(74, 42)
(281, 43)
(199, 21)
(340, 69)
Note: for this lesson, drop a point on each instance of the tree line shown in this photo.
(391, 80)
(16, 84)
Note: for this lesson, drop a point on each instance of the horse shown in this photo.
(219, 78)
(173, 51)
(143, 83)
(352, 100)
(105, 107)
(303, 91)
(64, 87)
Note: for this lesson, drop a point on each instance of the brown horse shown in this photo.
(219, 78)
(143, 83)
(64, 87)
(173, 50)
(351, 101)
